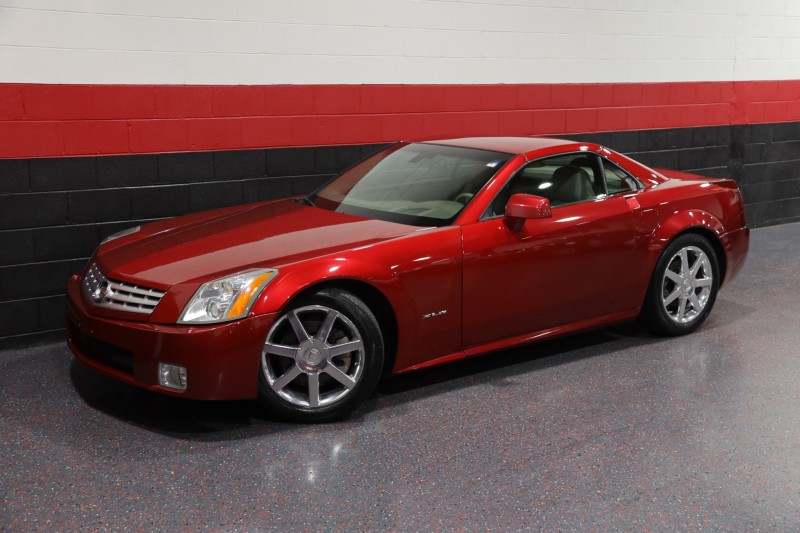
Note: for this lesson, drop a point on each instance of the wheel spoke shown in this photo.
(684, 261)
(291, 373)
(297, 326)
(671, 298)
(695, 303)
(340, 376)
(313, 390)
(281, 350)
(703, 282)
(345, 347)
(674, 276)
(696, 267)
(681, 309)
(327, 325)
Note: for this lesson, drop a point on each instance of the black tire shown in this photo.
(672, 286)
(311, 380)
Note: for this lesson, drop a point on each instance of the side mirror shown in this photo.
(521, 207)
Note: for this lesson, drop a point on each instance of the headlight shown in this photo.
(226, 298)
(122, 233)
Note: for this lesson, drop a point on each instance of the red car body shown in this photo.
(440, 293)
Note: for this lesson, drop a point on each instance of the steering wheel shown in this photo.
(463, 198)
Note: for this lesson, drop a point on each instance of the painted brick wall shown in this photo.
(47, 233)
(115, 112)
(397, 41)
(70, 204)
(54, 120)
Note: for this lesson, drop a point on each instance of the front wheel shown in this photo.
(321, 359)
(684, 286)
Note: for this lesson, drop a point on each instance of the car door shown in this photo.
(571, 267)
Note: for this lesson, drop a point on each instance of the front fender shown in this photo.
(295, 279)
(420, 276)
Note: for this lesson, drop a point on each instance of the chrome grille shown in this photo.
(118, 294)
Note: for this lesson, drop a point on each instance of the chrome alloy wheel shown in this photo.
(313, 356)
(687, 284)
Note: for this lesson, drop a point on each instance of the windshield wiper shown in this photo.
(305, 200)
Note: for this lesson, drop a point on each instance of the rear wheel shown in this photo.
(321, 359)
(684, 286)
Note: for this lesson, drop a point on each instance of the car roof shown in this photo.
(510, 145)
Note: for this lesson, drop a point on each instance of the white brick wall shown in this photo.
(397, 41)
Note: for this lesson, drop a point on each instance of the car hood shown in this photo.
(206, 246)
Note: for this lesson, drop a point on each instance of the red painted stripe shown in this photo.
(67, 120)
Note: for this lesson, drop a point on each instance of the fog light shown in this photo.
(172, 376)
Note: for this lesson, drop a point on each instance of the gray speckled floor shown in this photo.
(612, 430)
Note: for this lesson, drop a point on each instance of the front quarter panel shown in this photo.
(419, 274)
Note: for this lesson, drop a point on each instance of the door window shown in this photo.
(564, 179)
(617, 180)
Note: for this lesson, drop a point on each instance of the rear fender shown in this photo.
(685, 220)
(691, 220)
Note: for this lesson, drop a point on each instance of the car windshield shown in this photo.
(418, 184)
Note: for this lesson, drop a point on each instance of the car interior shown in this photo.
(564, 180)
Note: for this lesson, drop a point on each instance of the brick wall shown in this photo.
(114, 113)
(252, 42)
(49, 233)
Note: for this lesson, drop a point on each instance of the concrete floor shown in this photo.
(607, 431)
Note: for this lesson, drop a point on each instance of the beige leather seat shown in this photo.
(571, 184)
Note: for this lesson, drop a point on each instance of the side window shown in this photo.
(617, 180)
(563, 179)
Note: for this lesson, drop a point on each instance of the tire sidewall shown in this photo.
(654, 313)
(366, 323)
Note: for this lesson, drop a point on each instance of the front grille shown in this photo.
(118, 294)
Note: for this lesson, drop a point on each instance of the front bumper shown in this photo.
(222, 361)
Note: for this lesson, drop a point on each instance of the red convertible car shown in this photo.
(422, 254)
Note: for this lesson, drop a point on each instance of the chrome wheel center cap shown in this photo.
(314, 356)
(311, 359)
(688, 287)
